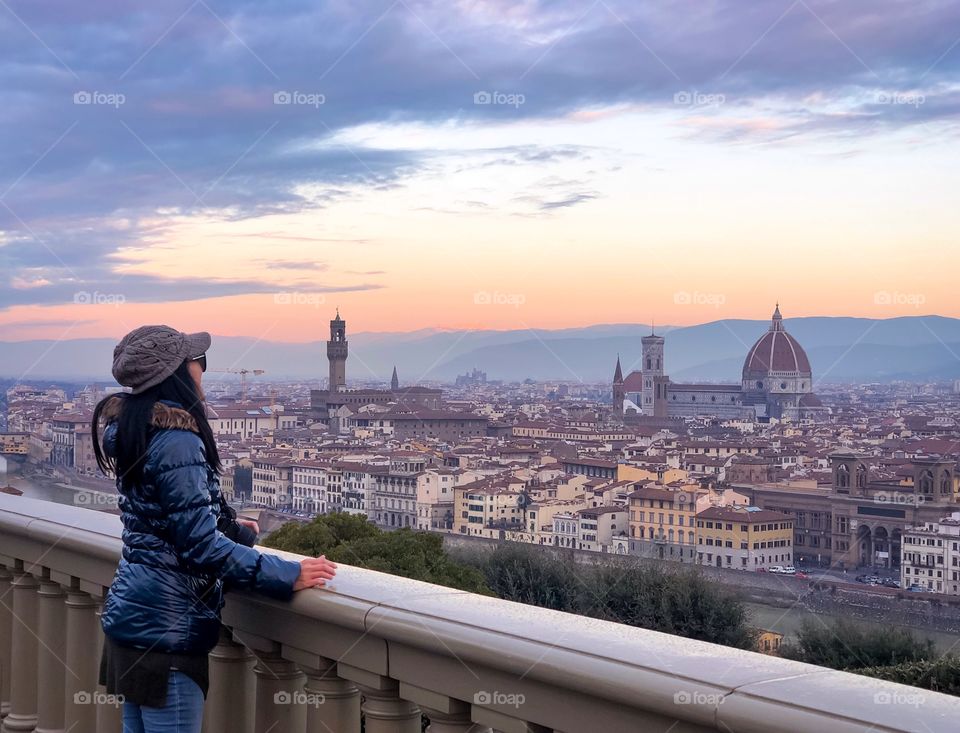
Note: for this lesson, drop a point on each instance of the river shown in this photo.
(49, 490)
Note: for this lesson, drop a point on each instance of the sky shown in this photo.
(247, 168)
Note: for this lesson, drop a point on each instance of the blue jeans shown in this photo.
(183, 712)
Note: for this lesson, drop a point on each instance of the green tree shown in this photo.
(941, 675)
(849, 646)
(676, 600)
(532, 575)
(354, 540)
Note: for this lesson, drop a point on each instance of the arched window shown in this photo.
(945, 485)
(925, 485)
(670, 535)
(861, 476)
(641, 533)
(690, 537)
(843, 476)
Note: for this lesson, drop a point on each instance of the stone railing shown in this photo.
(394, 650)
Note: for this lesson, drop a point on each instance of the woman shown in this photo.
(162, 614)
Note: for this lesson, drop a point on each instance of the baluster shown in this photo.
(229, 705)
(333, 703)
(453, 722)
(446, 714)
(386, 712)
(23, 684)
(51, 665)
(279, 685)
(83, 631)
(6, 629)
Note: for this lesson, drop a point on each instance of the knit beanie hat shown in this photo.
(149, 354)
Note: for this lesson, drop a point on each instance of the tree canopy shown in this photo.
(354, 540)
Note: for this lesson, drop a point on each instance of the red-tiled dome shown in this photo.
(776, 351)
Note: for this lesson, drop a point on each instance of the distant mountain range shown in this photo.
(840, 350)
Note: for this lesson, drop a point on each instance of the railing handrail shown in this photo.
(386, 625)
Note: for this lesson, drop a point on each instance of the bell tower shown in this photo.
(337, 354)
(653, 392)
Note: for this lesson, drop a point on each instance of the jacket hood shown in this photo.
(166, 416)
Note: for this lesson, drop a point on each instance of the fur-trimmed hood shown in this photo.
(165, 415)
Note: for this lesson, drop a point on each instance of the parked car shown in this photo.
(778, 569)
(789, 570)
(916, 589)
(801, 574)
(891, 583)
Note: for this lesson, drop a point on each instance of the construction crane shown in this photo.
(243, 378)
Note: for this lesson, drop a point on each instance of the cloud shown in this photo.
(234, 109)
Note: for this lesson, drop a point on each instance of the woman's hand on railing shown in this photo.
(315, 572)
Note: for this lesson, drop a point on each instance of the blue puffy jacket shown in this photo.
(168, 590)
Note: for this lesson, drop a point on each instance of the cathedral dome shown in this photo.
(776, 353)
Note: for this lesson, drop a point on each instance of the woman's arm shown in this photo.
(192, 530)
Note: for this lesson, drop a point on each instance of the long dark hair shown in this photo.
(134, 424)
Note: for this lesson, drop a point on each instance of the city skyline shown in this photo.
(417, 159)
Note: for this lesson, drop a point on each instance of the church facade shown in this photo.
(776, 382)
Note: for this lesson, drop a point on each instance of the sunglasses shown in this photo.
(202, 361)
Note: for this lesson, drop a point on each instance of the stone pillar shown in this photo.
(387, 712)
(83, 631)
(6, 629)
(333, 703)
(280, 698)
(23, 682)
(229, 705)
(453, 722)
(51, 667)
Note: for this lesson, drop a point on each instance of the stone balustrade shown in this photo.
(394, 650)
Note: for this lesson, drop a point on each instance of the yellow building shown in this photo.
(662, 522)
(487, 503)
(744, 538)
(768, 642)
(15, 443)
